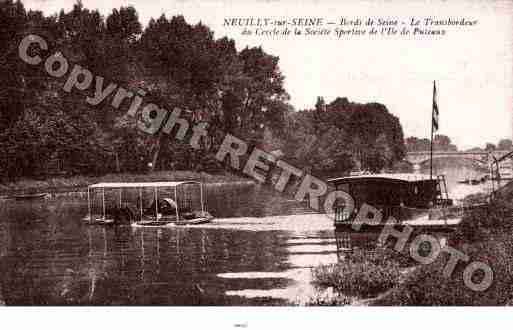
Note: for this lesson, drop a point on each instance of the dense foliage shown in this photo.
(485, 236)
(362, 278)
(45, 131)
(337, 137)
(427, 285)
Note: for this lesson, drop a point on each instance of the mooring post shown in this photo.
(156, 204)
(89, 204)
(201, 197)
(140, 203)
(176, 207)
(103, 202)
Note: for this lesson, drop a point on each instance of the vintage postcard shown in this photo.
(256, 153)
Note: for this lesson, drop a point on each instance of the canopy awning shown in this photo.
(141, 184)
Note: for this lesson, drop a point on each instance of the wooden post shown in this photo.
(103, 202)
(201, 197)
(142, 254)
(156, 204)
(89, 204)
(176, 208)
(140, 203)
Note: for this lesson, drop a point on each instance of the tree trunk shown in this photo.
(117, 163)
(156, 154)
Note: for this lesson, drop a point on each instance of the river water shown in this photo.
(49, 256)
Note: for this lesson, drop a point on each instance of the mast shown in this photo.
(431, 155)
(434, 125)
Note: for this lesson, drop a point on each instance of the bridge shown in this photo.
(482, 158)
(419, 157)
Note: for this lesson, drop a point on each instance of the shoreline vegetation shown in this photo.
(484, 235)
(79, 182)
(53, 122)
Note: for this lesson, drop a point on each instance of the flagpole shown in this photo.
(431, 152)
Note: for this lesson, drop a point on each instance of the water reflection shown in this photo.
(303, 253)
(352, 243)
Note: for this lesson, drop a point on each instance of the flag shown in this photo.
(435, 114)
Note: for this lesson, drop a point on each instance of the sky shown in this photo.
(472, 67)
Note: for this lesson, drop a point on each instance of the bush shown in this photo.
(385, 256)
(427, 286)
(362, 279)
(478, 223)
(327, 298)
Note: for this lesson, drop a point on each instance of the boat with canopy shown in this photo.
(415, 200)
(156, 203)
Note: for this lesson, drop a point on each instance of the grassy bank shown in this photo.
(427, 286)
(75, 183)
(485, 235)
(362, 279)
(360, 276)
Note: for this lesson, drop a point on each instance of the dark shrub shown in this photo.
(363, 279)
(384, 255)
(479, 222)
(427, 286)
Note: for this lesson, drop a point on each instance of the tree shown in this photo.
(122, 31)
(12, 21)
(443, 143)
(263, 93)
(343, 136)
(490, 147)
(123, 24)
(45, 134)
(12, 24)
(415, 144)
(505, 144)
(241, 93)
(440, 143)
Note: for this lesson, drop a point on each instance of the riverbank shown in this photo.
(485, 235)
(427, 286)
(78, 183)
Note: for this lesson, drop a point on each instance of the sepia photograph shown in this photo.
(256, 154)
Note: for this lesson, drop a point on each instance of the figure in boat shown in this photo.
(185, 208)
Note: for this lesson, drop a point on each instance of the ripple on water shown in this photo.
(49, 256)
(303, 253)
